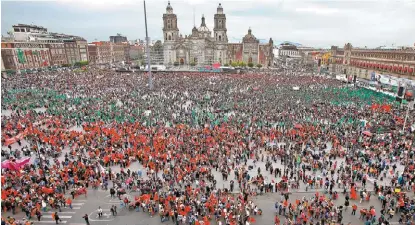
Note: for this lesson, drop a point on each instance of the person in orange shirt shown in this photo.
(354, 208)
(69, 202)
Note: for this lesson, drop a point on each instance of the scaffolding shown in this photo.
(156, 54)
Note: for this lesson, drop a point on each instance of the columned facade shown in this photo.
(201, 47)
(363, 63)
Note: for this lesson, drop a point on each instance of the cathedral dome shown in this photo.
(203, 27)
(249, 37)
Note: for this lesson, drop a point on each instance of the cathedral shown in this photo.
(201, 48)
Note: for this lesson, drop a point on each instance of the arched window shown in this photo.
(220, 38)
(169, 37)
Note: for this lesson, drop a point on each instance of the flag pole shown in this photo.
(150, 79)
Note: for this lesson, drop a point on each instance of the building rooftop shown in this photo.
(26, 25)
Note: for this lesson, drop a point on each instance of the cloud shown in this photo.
(309, 22)
(316, 10)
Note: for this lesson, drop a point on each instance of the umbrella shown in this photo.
(367, 133)
(298, 126)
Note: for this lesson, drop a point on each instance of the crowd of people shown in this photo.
(312, 132)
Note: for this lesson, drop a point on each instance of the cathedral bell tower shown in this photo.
(220, 26)
(170, 29)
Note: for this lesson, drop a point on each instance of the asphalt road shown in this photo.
(88, 205)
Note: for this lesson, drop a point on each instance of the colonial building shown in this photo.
(31, 46)
(25, 55)
(117, 52)
(72, 51)
(203, 48)
(82, 46)
(57, 53)
(287, 50)
(364, 63)
(100, 52)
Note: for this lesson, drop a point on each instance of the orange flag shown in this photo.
(206, 220)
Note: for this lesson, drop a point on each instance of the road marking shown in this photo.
(101, 220)
(47, 221)
(64, 217)
(104, 214)
(58, 212)
(81, 203)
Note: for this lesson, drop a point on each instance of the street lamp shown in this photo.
(410, 99)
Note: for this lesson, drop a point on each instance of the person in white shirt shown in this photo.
(99, 211)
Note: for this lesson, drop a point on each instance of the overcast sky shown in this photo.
(319, 23)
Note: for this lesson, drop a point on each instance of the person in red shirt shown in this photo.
(276, 220)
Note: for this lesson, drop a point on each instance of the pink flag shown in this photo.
(15, 165)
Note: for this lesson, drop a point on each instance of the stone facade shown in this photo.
(117, 52)
(82, 46)
(57, 54)
(203, 48)
(362, 62)
(100, 52)
(24, 55)
(72, 51)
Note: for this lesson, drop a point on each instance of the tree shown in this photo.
(226, 64)
(259, 66)
(250, 64)
(242, 64)
(176, 63)
(83, 63)
(234, 64)
(192, 64)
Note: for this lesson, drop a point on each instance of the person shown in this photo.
(86, 218)
(99, 212)
(354, 208)
(56, 217)
(112, 192)
(114, 210)
(69, 202)
(38, 214)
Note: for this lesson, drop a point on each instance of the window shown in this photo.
(169, 37)
(220, 38)
(16, 30)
